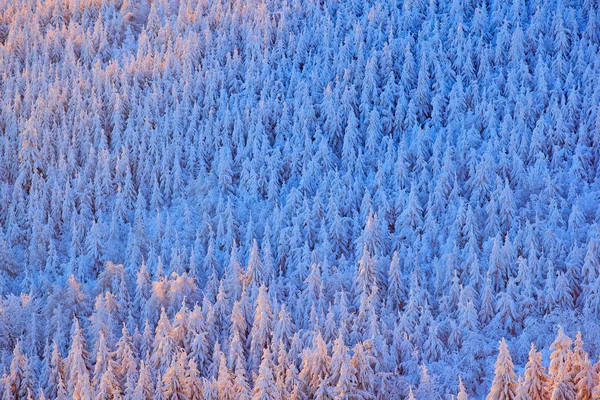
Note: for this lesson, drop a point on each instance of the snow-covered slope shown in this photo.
(297, 199)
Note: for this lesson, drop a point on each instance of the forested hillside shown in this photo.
(299, 199)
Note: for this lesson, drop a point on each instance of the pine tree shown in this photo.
(56, 373)
(164, 344)
(315, 364)
(486, 311)
(536, 381)
(61, 391)
(365, 375)
(433, 347)
(366, 273)
(586, 379)
(20, 380)
(193, 387)
(225, 381)
(77, 366)
(507, 309)
(347, 385)
(264, 386)
(144, 385)
(563, 387)
(339, 358)
(126, 364)
(560, 358)
(521, 390)
(396, 288)
(159, 393)
(108, 387)
(240, 383)
(103, 359)
(504, 386)
(428, 387)
(173, 381)
(466, 134)
(261, 327)
(284, 328)
(256, 275)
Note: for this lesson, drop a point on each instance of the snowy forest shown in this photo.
(299, 199)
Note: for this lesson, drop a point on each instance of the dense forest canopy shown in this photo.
(303, 199)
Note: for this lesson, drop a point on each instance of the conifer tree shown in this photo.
(504, 386)
(560, 358)
(264, 386)
(78, 375)
(103, 359)
(586, 379)
(433, 346)
(144, 385)
(536, 380)
(173, 381)
(126, 364)
(20, 381)
(225, 381)
(164, 344)
(347, 385)
(240, 383)
(339, 357)
(315, 364)
(427, 385)
(521, 390)
(396, 288)
(193, 386)
(108, 387)
(362, 362)
(261, 327)
(563, 387)
(56, 372)
(366, 274)
(255, 267)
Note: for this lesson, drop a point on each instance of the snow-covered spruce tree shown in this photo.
(560, 368)
(264, 388)
(19, 382)
(504, 385)
(536, 380)
(173, 381)
(78, 373)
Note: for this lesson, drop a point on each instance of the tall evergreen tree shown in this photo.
(78, 375)
(536, 380)
(504, 386)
